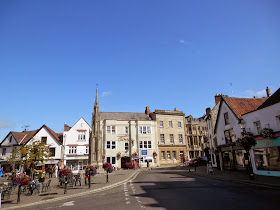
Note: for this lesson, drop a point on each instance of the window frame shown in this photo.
(226, 118)
(144, 129)
(126, 130)
(73, 150)
(162, 155)
(112, 129)
(162, 138)
(161, 124)
(145, 144)
(258, 127)
(179, 124)
(170, 124)
(171, 138)
(111, 145)
(180, 137)
(52, 153)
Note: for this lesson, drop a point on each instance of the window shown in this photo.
(180, 136)
(162, 155)
(4, 152)
(174, 155)
(126, 146)
(111, 160)
(171, 137)
(226, 118)
(144, 129)
(87, 149)
(228, 135)
(73, 150)
(162, 139)
(111, 144)
(126, 130)
(170, 124)
(145, 144)
(52, 151)
(44, 140)
(111, 129)
(10, 139)
(161, 124)
(258, 127)
(168, 155)
(179, 125)
(81, 136)
(278, 121)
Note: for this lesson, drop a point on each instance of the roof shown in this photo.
(274, 99)
(243, 105)
(24, 136)
(124, 116)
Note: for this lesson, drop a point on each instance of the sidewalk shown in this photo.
(98, 183)
(238, 176)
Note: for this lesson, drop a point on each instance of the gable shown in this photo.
(80, 125)
(45, 132)
(9, 140)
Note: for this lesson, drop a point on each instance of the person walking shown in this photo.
(56, 170)
(134, 164)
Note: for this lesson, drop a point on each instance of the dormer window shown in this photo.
(226, 118)
(44, 140)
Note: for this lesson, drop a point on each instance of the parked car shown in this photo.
(202, 161)
(193, 162)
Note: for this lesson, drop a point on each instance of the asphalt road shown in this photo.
(174, 189)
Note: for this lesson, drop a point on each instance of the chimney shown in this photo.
(254, 97)
(66, 127)
(217, 98)
(147, 110)
(268, 94)
(175, 109)
(208, 110)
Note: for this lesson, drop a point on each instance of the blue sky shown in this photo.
(162, 54)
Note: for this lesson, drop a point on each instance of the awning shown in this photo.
(51, 162)
(137, 157)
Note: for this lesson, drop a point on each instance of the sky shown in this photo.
(157, 53)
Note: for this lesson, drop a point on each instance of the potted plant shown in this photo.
(90, 170)
(20, 180)
(118, 155)
(108, 168)
(154, 154)
(267, 133)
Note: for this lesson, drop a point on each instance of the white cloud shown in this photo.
(7, 124)
(182, 41)
(261, 93)
(106, 94)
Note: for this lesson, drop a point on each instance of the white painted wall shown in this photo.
(71, 138)
(265, 116)
(221, 127)
(51, 141)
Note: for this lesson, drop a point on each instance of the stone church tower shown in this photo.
(95, 141)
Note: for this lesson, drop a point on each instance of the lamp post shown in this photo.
(247, 141)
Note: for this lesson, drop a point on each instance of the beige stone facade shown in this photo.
(170, 136)
(196, 136)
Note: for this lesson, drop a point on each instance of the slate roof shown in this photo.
(243, 105)
(273, 99)
(124, 116)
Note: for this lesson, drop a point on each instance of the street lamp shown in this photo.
(247, 141)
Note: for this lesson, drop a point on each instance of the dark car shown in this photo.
(202, 161)
(193, 162)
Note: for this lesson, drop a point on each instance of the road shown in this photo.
(173, 189)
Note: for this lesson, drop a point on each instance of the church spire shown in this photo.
(96, 99)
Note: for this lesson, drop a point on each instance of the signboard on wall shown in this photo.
(144, 152)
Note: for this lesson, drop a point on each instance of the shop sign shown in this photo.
(144, 152)
(267, 143)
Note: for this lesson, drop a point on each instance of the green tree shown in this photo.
(30, 155)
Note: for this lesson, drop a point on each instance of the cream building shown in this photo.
(170, 136)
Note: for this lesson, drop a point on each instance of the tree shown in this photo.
(30, 155)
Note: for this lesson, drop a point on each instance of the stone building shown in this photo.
(170, 136)
(196, 136)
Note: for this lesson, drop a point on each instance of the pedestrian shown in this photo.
(148, 163)
(210, 168)
(134, 164)
(50, 171)
(56, 170)
(188, 165)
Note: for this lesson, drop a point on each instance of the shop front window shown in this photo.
(267, 159)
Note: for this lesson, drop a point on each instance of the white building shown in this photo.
(227, 129)
(266, 154)
(44, 134)
(76, 144)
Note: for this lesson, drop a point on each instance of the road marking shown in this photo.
(70, 203)
(126, 194)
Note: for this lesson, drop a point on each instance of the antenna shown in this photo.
(231, 89)
(25, 127)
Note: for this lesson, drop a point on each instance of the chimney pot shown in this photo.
(268, 94)
(175, 109)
